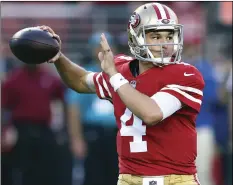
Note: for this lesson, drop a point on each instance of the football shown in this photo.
(33, 45)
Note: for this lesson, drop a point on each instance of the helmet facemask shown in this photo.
(140, 49)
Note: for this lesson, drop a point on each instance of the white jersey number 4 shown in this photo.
(137, 130)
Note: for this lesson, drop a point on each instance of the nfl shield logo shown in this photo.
(133, 83)
(153, 183)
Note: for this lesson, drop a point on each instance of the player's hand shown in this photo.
(106, 57)
(78, 148)
(50, 30)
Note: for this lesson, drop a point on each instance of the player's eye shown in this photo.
(155, 37)
(170, 38)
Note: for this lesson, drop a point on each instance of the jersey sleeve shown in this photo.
(102, 86)
(188, 90)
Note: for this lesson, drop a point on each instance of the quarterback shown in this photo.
(156, 98)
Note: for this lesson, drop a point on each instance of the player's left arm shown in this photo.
(151, 110)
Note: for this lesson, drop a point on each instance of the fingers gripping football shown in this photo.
(50, 30)
(106, 57)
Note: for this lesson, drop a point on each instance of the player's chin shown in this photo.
(161, 56)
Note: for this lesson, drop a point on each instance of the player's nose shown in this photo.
(162, 42)
(164, 46)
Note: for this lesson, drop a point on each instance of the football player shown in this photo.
(156, 98)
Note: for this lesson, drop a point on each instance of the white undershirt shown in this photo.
(168, 103)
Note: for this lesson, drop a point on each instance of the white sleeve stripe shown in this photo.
(186, 95)
(100, 88)
(190, 89)
(106, 86)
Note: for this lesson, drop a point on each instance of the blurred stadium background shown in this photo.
(207, 40)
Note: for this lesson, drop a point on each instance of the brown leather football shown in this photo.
(33, 45)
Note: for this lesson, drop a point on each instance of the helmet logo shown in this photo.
(134, 20)
(165, 21)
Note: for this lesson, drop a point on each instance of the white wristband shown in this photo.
(117, 81)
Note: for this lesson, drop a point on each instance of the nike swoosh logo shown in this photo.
(187, 74)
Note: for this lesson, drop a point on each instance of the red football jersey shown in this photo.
(168, 147)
